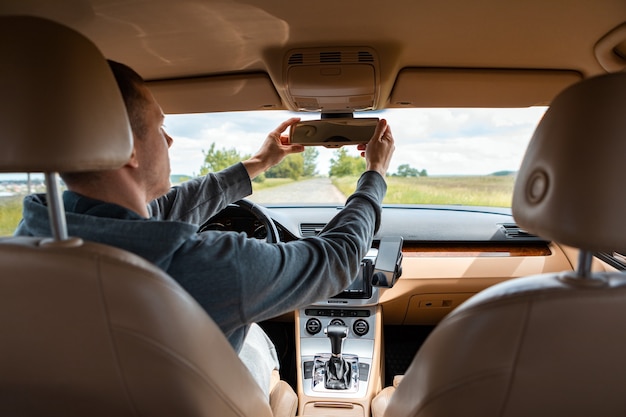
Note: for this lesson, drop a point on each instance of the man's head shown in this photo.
(149, 167)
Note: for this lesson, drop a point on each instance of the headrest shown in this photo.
(570, 187)
(60, 108)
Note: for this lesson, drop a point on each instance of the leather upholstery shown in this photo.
(382, 399)
(553, 344)
(92, 330)
(60, 108)
(542, 345)
(283, 400)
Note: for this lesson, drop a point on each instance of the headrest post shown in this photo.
(56, 209)
(584, 264)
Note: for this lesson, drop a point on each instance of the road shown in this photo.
(316, 190)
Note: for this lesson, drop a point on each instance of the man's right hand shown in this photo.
(273, 150)
(379, 149)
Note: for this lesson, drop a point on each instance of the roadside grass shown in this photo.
(271, 182)
(10, 214)
(492, 191)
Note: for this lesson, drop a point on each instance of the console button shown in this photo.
(360, 327)
(308, 370)
(338, 322)
(313, 326)
(364, 370)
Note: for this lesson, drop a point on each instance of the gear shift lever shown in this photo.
(338, 370)
(336, 333)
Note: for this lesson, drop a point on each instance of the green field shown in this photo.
(493, 191)
(10, 214)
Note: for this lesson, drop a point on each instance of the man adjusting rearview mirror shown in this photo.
(333, 132)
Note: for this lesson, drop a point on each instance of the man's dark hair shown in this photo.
(129, 83)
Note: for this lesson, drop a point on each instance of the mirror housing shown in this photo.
(333, 132)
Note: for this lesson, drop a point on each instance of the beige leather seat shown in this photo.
(548, 345)
(86, 329)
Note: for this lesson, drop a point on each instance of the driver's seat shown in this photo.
(87, 329)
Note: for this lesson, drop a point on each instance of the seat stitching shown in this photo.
(120, 369)
(520, 342)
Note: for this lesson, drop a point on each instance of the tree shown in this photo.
(290, 167)
(217, 160)
(405, 170)
(310, 155)
(343, 165)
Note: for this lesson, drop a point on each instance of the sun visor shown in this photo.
(217, 94)
(444, 87)
(330, 80)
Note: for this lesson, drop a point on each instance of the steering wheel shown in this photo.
(269, 230)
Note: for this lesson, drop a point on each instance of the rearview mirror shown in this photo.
(333, 132)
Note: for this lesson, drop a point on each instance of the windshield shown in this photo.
(443, 156)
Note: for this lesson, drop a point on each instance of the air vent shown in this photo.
(296, 59)
(365, 56)
(616, 259)
(513, 231)
(620, 257)
(351, 56)
(328, 57)
(311, 229)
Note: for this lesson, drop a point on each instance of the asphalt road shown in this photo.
(316, 190)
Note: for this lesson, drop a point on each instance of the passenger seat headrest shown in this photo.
(570, 187)
(61, 109)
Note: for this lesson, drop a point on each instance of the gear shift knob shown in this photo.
(336, 333)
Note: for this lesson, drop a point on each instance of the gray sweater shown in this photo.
(237, 280)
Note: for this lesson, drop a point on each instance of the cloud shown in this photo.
(462, 141)
(442, 141)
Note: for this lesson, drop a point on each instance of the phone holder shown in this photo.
(388, 266)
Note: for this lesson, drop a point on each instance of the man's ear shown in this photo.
(133, 162)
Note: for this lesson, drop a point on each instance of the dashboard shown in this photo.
(449, 252)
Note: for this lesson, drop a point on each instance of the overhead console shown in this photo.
(340, 338)
(337, 79)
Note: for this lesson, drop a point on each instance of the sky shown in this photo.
(442, 141)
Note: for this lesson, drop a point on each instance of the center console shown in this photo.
(338, 345)
(339, 340)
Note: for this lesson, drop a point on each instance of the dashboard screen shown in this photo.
(361, 288)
